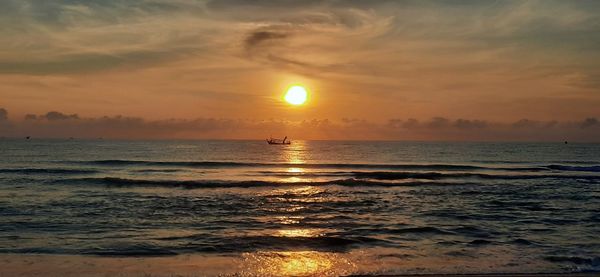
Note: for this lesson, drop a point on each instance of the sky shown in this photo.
(378, 69)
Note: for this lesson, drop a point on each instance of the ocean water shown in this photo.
(309, 208)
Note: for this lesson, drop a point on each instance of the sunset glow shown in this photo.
(325, 70)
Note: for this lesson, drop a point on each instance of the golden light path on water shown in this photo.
(301, 260)
(294, 154)
(296, 263)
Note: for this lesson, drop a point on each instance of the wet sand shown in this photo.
(194, 265)
(496, 275)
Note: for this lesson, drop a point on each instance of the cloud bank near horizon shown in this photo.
(60, 125)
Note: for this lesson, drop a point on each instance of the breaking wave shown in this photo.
(193, 184)
(444, 167)
(223, 164)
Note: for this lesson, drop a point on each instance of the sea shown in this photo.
(309, 208)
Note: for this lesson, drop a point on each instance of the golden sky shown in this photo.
(375, 69)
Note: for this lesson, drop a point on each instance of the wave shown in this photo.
(138, 250)
(480, 242)
(164, 170)
(301, 174)
(205, 243)
(224, 164)
(65, 171)
(400, 175)
(327, 242)
(435, 167)
(380, 179)
(420, 230)
(164, 163)
(193, 184)
(305, 165)
(574, 168)
(593, 261)
(386, 175)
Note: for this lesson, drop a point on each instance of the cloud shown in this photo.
(58, 116)
(526, 123)
(30, 117)
(470, 124)
(72, 37)
(438, 123)
(88, 62)
(479, 61)
(69, 37)
(260, 4)
(411, 123)
(590, 122)
(62, 125)
(260, 37)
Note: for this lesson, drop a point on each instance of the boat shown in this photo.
(283, 141)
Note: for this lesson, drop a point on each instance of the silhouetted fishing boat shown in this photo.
(283, 141)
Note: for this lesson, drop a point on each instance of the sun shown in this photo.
(296, 95)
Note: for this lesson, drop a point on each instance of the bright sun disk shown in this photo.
(296, 95)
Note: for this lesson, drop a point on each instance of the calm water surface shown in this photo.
(310, 208)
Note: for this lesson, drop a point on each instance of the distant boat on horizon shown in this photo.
(283, 141)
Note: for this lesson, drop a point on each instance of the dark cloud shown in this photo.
(58, 116)
(525, 123)
(3, 114)
(469, 124)
(59, 124)
(261, 37)
(352, 120)
(30, 117)
(438, 122)
(394, 123)
(411, 123)
(268, 46)
(590, 122)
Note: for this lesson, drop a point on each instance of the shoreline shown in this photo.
(192, 265)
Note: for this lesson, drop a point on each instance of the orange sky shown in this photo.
(374, 62)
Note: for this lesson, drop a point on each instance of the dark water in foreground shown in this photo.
(402, 207)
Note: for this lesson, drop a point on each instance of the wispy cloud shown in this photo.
(489, 60)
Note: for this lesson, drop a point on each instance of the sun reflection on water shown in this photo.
(297, 263)
(295, 153)
(295, 170)
(300, 232)
(294, 180)
(295, 199)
